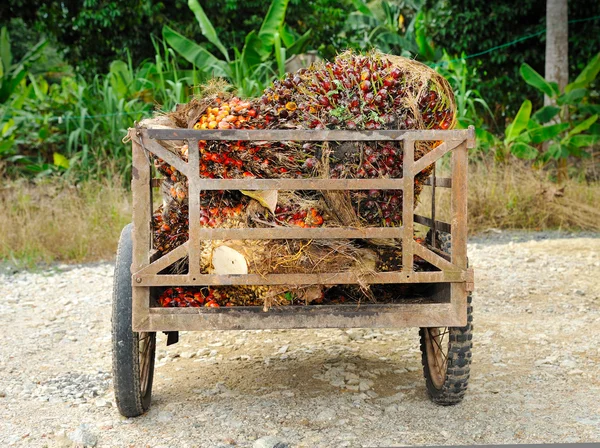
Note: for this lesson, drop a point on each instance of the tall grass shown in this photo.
(53, 221)
(513, 196)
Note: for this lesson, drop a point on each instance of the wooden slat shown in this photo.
(301, 184)
(157, 149)
(327, 278)
(459, 206)
(298, 233)
(439, 225)
(305, 135)
(408, 205)
(140, 232)
(433, 258)
(195, 239)
(165, 261)
(434, 154)
(402, 315)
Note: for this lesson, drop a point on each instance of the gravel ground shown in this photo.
(535, 375)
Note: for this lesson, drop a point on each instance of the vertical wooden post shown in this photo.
(194, 208)
(140, 232)
(459, 205)
(408, 205)
(459, 227)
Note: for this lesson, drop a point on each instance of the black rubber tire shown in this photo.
(460, 344)
(130, 398)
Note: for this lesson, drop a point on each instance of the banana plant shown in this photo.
(258, 62)
(382, 25)
(11, 74)
(568, 125)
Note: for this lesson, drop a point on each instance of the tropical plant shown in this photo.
(261, 59)
(382, 25)
(567, 126)
(11, 74)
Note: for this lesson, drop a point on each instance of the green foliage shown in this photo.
(472, 26)
(261, 58)
(565, 127)
(382, 25)
(74, 127)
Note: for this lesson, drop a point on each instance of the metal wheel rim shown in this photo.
(146, 343)
(436, 344)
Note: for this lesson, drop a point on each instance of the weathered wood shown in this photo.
(454, 273)
(158, 150)
(433, 155)
(326, 278)
(165, 261)
(307, 135)
(408, 205)
(140, 232)
(459, 206)
(298, 233)
(195, 240)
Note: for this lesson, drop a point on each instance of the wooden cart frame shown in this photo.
(454, 278)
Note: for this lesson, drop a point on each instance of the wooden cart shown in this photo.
(444, 318)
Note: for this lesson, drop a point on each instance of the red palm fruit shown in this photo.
(369, 97)
(395, 73)
(365, 85)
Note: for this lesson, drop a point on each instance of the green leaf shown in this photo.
(254, 51)
(545, 133)
(279, 55)
(299, 46)
(60, 161)
(583, 126)
(582, 141)
(545, 114)
(206, 27)
(587, 75)
(573, 97)
(194, 53)
(519, 124)
(362, 7)
(555, 151)
(536, 80)
(590, 109)
(273, 21)
(524, 151)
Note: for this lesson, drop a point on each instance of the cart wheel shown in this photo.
(446, 354)
(133, 353)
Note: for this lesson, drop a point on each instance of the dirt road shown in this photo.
(535, 375)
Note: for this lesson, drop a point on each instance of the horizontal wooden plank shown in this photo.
(365, 316)
(439, 225)
(305, 135)
(335, 278)
(301, 184)
(298, 233)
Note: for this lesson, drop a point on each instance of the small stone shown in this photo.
(187, 355)
(269, 442)
(325, 415)
(164, 416)
(102, 403)
(364, 386)
(82, 436)
(2, 394)
(579, 292)
(575, 372)
(352, 387)
(391, 409)
(283, 349)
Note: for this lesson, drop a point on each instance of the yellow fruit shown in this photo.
(212, 124)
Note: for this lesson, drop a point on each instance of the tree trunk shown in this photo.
(557, 58)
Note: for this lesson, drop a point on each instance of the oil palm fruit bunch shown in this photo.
(367, 92)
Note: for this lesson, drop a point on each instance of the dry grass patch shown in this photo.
(517, 197)
(53, 221)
